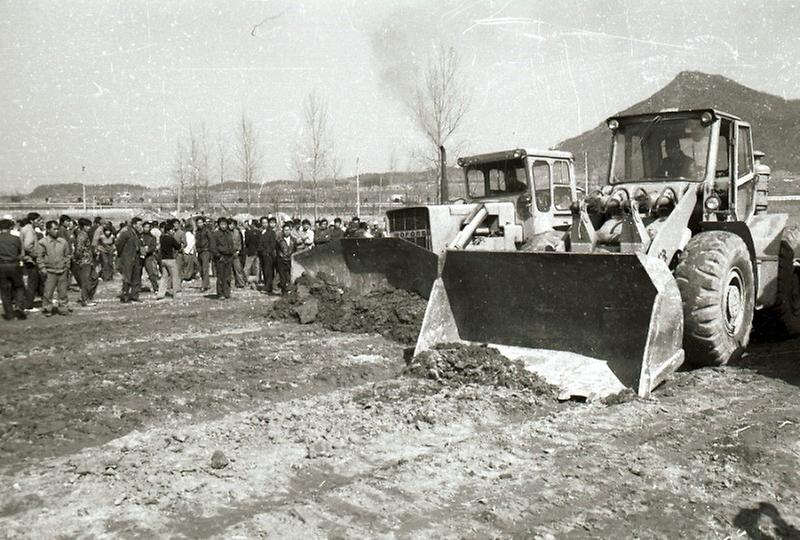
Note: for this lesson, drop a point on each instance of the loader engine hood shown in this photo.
(434, 227)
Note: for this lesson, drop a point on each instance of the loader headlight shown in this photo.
(461, 162)
(713, 203)
(613, 124)
(706, 118)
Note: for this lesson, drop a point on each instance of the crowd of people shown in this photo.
(42, 259)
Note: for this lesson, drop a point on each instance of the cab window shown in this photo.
(745, 152)
(499, 178)
(541, 185)
(562, 191)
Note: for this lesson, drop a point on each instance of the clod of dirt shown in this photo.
(623, 396)
(393, 313)
(318, 449)
(219, 460)
(456, 364)
(307, 311)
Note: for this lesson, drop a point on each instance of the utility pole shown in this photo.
(586, 171)
(380, 197)
(358, 190)
(180, 184)
(83, 183)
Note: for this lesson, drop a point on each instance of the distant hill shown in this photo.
(75, 190)
(775, 120)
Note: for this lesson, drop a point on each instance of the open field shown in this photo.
(110, 418)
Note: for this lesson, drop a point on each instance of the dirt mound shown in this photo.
(456, 363)
(392, 313)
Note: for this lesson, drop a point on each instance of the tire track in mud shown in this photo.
(588, 472)
(68, 387)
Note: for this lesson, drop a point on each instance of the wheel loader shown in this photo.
(514, 199)
(668, 263)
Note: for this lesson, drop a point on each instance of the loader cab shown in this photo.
(732, 192)
(541, 185)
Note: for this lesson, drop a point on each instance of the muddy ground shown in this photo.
(205, 418)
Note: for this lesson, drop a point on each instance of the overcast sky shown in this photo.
(112, 84)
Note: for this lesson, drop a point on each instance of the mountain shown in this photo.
(74, 190)
(775, 120)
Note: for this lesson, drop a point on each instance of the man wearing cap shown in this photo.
(266, 252)
(203, 247)
(129, 251)
(86, 271)
(285, 246)
(150, 252)
(30, 270)
(222, 251)
(53, 257)
(12, 288)
(238, 241)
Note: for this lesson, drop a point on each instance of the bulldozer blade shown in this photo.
(592, 324)
(364, 264)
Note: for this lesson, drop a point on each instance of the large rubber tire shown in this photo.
(782, 319)
(715, 278)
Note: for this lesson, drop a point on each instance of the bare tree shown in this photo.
(193, 156)
(439, 104)
(314, 149)
(204, 172)
(222, 154)
(248, 155)
(179, 171)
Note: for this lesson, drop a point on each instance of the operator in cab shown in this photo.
(676, 164)
(514, 184)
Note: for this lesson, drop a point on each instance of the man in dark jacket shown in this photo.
(222, 251)
(170, 276)
(12, 289)
(266, 252)
(150, 252)
(129, 251)
(252, 244)
(203, 247)
(238, 246)
(34, 280)
(83, 263)
(285, 246)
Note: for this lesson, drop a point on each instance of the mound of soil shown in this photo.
(456, 364)
(392, 313)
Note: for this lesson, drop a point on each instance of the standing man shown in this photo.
(223, 252)
(83, 261)
(12, 289)
(96, 234)
(170, 277)
(180, 236)
(150, 252)
(105, 249)
(252, 243)
(30, 270)
(305, 237)
(336, 229)
(189, 263)
(238, 244)
(129, 250)
(65, 231)
(202, 242)
(323, 234)
(285, 246)
(266, 252)
(53, 258)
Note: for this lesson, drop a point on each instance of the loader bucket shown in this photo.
(364, 264)
(591, 323)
